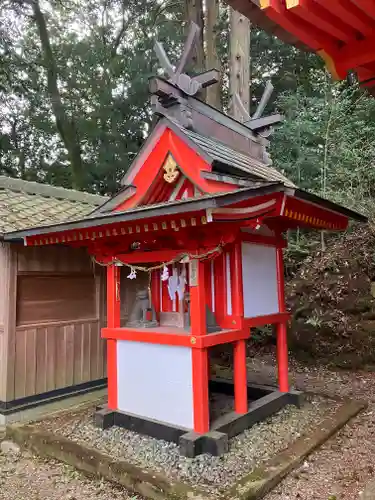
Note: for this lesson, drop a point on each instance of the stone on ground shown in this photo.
(9, 447)
(369, 492)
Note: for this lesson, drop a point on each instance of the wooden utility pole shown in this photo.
(213, 96)
(194, 12)
(239, 69)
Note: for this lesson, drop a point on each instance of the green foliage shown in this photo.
(326, 143)
(103, 52)
(288, 68)
(263, 336)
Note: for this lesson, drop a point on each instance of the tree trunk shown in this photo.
(239, 69)
(19, 152)
(213, 96)
(65, 125)
(194, 12)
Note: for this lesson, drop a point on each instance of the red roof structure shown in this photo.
(342, 32)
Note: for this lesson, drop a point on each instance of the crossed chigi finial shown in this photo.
(179, 81)
(246, 119)
(189, 85)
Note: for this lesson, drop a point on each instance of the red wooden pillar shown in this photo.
(220, 285)
(155, 292)
(199, 356)
(282, 342)
(239, 347)
(113, 321)
(208, 283)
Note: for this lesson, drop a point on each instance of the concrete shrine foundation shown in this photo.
(264, 401)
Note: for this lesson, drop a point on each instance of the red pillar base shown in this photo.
(282, 357)
(240, 377)
(200, 390)
(112, 373)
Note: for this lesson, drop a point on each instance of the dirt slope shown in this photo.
(333, 304)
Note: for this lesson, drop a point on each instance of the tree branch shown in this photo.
(65, 126)
(120, 34)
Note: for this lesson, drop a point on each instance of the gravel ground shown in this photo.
(24, 477)
(339, 470)
(342, 467)
(247, 450)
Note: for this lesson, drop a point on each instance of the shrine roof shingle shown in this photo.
(25, 204)
(224, 156)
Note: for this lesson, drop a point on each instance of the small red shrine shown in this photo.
(199, 228)
(342, 32)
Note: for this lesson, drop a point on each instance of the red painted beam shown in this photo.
(149, 257)
(223, 337)
(316, 15)
(309, 215)
(349, 14)
(182, 339)
(356, 54)
(231, 321)
(269, 319)
(367, 6)
(304, 31)
(148, 336)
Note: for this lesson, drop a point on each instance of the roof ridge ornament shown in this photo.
(190, 86)
(248, 120)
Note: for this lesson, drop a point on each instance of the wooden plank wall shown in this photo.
(3, 366)
(55, 355)
(53, 259)
(8, 273)
(3, 268)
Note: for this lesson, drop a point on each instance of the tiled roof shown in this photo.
(25, 204)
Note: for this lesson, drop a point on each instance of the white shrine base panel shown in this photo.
(155, 382)
(259, 280)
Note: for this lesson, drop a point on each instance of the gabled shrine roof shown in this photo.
(225, 159)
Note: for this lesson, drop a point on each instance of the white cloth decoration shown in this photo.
(165, 274)
(173, 284)
(181, 284)
(133, 274)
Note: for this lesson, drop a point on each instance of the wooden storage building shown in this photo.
(51, 302)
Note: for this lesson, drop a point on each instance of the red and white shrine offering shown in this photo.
(193, 249)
